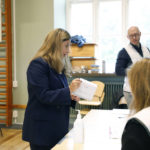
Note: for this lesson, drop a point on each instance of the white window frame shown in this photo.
(95, 16)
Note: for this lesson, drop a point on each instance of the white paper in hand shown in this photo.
(86, 90)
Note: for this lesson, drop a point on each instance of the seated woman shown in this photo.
(136, 135)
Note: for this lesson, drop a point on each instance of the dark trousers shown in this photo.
(39, 147)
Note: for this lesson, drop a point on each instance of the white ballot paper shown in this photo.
(86, 90)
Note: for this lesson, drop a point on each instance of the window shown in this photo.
(77, 25)
(109, 24)
(139, 15)
(105, 22)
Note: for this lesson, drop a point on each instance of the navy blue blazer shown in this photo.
(46, 118)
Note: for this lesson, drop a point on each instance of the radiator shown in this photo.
(110, 89)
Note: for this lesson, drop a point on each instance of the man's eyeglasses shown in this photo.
(134, 35)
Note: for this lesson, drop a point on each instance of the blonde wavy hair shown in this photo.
(51, 50)
(139, 79)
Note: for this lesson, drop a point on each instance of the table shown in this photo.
(102, 130)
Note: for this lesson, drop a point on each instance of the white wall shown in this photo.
(34, 19)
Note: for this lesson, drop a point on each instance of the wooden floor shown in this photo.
(12, 140)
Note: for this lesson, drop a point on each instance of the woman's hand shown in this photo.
(75, 84)
(75, 98)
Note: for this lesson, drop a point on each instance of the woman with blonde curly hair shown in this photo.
(136, 134)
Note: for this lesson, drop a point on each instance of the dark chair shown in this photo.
(118, 101)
